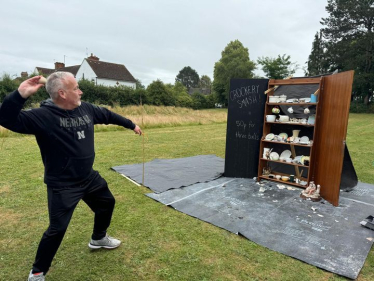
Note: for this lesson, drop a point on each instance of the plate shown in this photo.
(292, 100)
(286, 154)
(297, 159)
(304, 158)
(283, 135)
(274, 156)
(269, 136)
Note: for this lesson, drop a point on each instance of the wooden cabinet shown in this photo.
(299, 123)
(327, 133)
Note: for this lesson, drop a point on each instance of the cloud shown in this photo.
(154, 39)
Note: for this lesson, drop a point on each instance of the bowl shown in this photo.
(274, 99)
(270, 118)
(284, 118)
(278, 177)
(285, 178)
(274, 156)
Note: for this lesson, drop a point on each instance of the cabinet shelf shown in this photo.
(285, 163)
(292, 103)
(290, 123)
(285, 182)
(288, 143)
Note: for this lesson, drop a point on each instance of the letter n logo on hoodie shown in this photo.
(81, 135)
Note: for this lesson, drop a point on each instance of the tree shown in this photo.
(234, 63)
(349, 41)
(159, 94)
(199, 101)
(317, 62)
(205, 82)
(277, 68)
(7, 85)
(188, 77)
(139, 84)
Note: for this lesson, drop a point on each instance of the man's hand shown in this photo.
(137, 130)
(29, 87)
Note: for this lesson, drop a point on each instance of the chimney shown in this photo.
(92, 57)
(24, 74)
(59, 65)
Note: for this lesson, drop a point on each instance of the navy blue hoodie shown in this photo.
(65, 137)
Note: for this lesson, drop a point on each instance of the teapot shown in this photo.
(275, 110)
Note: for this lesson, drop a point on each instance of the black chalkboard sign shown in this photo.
(244, 126)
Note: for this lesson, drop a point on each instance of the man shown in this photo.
(64, 130)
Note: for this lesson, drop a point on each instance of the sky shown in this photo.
(154, 39)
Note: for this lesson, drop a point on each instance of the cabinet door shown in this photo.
(332, 120)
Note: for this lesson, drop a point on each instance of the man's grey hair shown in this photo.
(55, 82)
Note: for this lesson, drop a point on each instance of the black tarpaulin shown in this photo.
(317, 233)
(163, 174)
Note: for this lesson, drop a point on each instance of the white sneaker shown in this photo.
(36, 277)
(107, 242)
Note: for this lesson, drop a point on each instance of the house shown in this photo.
(203, 91)
(105, 73)
(100, 72)
(59, 66)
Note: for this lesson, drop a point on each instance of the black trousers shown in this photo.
(61, 205)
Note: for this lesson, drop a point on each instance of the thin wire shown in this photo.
(141, 106)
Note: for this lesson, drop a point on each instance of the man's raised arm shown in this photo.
(30, 86)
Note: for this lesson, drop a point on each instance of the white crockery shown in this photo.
(274, 99)
(284, 118)
(274, 156)
(270, 118)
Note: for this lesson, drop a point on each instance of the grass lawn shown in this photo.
(159, 243)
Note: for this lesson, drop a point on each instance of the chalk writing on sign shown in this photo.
(242, 127)
(245, 96)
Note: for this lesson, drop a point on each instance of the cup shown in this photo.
(313, 98)
(290, 110)
(292, 177)
(311, 119)
(266, 150)
(295, 133)
(306, 110)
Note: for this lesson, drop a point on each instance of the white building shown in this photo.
(100, 72)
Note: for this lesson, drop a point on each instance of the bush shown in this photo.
(184, 101)
(7, 85)
(360, 107)
(199, 101)
(159, 94)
